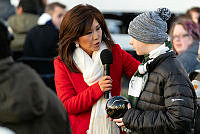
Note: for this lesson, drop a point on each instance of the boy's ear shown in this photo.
(19, 10)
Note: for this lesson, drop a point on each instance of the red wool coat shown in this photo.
(78, 98)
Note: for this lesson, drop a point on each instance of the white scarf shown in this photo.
(137, 84)
(91, 68)
(93, 71)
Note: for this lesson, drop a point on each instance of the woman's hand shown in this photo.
(105, 83)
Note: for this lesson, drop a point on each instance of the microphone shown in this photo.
(106, 59)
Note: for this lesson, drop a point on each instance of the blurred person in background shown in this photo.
(79, 73)
(42, 40)
(185, 36)
(27, 105)
(25, 18)
(194, 14)
(6, 9)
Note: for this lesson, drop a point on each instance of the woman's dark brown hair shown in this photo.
(75, 24)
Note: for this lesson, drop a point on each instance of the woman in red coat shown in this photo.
(79, 78)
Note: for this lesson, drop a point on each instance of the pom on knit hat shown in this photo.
(150, 27)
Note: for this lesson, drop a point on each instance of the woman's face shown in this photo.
(92, 40)
(181, 39)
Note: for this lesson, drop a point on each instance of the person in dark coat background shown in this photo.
(42, 40)
(27, 105)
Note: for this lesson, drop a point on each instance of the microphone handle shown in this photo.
(106, 72)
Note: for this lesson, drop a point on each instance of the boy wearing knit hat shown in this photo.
(161, 94)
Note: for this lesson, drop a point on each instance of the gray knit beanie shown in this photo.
(150, 27)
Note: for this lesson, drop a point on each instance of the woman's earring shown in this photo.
(77, 45)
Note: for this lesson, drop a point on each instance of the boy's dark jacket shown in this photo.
(167, 103)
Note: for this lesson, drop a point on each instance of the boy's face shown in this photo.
(139, 47)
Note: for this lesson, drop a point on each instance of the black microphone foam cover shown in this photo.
(106, 57)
